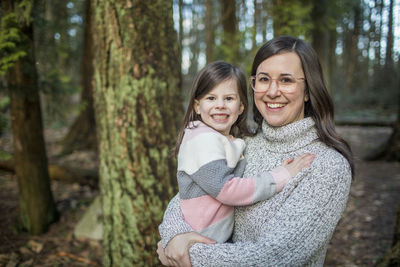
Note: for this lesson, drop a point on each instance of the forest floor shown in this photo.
(361, 238)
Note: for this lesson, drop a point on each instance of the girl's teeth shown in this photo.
(220, 116)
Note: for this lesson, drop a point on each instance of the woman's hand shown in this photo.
(177, 251)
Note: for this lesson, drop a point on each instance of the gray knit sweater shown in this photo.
(294, 227)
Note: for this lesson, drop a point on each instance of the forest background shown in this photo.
(124, 68)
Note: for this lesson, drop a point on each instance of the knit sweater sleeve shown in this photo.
(208, 159)
(301, 227)
(173, 222)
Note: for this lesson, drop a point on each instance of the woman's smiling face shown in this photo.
(280, 107)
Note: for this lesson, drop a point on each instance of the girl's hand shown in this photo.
(177, 251)
(294, 166)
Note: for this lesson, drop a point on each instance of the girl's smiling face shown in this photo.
(279, 107)
(221, 107)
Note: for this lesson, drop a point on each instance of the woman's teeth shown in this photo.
(275, 105)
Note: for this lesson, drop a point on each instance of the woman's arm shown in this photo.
(299, 231)
(173, 222)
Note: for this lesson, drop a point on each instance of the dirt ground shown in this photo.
(361, 238)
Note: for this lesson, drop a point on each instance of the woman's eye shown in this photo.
(264, 79)
(287, 80)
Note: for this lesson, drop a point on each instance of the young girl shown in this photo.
(209, 151)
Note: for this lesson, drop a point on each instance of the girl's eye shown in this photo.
(229, 98)
(210, 98)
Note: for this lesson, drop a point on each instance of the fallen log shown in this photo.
(62, 173)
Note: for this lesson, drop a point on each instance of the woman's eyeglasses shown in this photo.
(262, 82)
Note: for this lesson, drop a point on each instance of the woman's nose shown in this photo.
(273, 90)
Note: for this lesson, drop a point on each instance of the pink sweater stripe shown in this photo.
(201, 212)
(237, 192)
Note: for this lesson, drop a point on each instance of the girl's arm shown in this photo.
(297, 233)
(209, 159)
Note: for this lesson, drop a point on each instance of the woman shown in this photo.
(294, 114)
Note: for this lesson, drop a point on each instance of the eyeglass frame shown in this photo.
(253, 77)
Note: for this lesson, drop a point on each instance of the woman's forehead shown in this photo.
(282, 63)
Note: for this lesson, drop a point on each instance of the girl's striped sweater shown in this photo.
(210, 170)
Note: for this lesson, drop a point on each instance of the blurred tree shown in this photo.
(210, 35)
(36, 206)
(196, 37)
(137, 108)
(82, 133)
(256, 16)
(230, 37)
(291, 17)
(58, 46)
(321, 30)
(389, 38)
(392, 255)
(351, 43)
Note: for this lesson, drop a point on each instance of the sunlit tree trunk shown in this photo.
(378, 35)
(138, 106)
(82, 134)
(264, 20)
(194, 46)
(36, 205)
(389, 38)
(255, 23)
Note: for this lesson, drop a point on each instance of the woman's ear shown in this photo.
(306, 95)
(196, 106)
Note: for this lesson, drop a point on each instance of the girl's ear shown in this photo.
(196, 106)
(241, 108)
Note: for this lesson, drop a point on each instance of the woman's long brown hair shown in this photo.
(320, 105)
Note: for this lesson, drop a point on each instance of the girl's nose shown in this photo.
(220, 103)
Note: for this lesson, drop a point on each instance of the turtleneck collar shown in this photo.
(290, 137)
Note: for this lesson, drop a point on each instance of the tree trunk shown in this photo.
(36, 206)
(256, 16)
(391, 151)
(138, 106)
(352, 49)
(389, 39)
(392, 256)
(82, 134)
(320, 31)
(379, 5)
(209, 32)
(230, 42)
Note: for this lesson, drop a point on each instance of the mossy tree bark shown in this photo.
(36, 205)
(137, 107)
